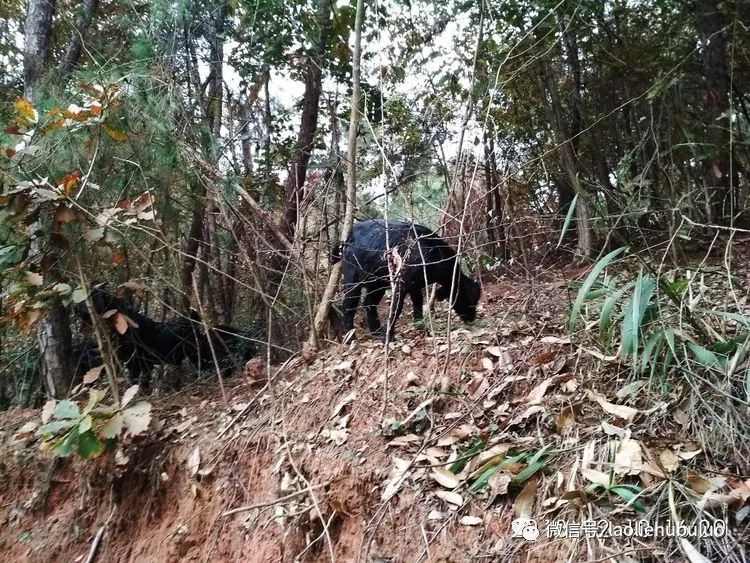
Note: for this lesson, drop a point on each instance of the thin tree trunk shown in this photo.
(308, 125)
(717, 175)
(53, 331)
(73, 50)
(351, 180)
(38, 43)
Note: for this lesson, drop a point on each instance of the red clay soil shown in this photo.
(313, 451)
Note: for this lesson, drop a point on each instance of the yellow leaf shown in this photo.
(92, 375)
(24, 107)
(115, 133)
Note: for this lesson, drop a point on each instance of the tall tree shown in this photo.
(73, 49)
(309, 122)
(53, 331)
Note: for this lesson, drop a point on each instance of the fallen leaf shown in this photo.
(121, 458)
(345, 401)
(555, 340)
(27, 430)
(630, 389)
(628, 458)
(128, 395)
(669, 461)
(194, 461)
(620, 411)
(498, 484)
(693, 555)
(445, 478)
(495, 351)
(136, 419)
(564, 419)
(470, 521)
(698, 483)
(435, 515)
(401, 466)
(121, 323)
(597, 477)
(47, 410)
(687, 456)
(487, 364)
(451, 497)
(524, 503)
(405, 440)
(612, 430)
(92, 375)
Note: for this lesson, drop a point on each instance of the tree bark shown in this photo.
(53, 331)
(717, 173)
(308, 124)
(72, 52)
(324, 308)
(37, 43)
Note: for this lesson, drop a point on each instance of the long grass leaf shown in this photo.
(590, 279)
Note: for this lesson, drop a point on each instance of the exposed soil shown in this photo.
(317, 449)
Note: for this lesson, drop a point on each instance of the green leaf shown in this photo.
(85, 424)
(568, 219)
(631, 324)
(626, 493)
(65, 447)
(590, 279)
(66, 409)
(607, 309)
(652, 349)
(88, 445)
(55, 426)
(704, 356)
(461, 462)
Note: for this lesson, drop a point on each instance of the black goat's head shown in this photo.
(465, 298)
(102, 299)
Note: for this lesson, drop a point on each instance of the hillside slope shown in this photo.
(345, 455)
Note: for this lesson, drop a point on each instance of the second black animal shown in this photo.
(421, 258)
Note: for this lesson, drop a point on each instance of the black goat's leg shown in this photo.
(373, 297)
(417, 301)
(351, 300)
(396, 308)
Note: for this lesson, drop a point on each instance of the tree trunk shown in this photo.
(53, 331)
(324, 308)
(308, 125)
(717, 173)
(73, 50)
(38, 43)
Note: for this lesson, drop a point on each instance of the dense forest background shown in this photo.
(199, 150)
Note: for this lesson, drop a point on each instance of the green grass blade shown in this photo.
(590, 279)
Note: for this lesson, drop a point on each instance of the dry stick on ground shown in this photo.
(280, 500)
(98, 538)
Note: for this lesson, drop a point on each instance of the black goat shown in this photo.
(418, 257)
(147, 343)
(86, 356)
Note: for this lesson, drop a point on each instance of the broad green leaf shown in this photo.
(65, 447)
(88, 445)
(66, 409)
(590, 279)
(54, 427)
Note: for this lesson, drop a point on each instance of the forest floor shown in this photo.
(346, 455)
